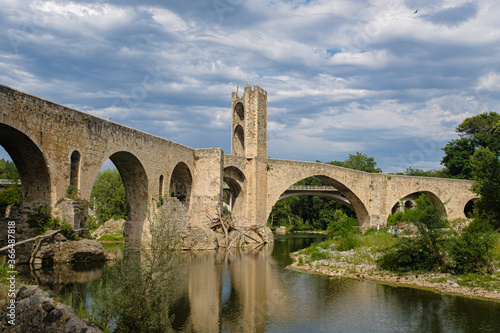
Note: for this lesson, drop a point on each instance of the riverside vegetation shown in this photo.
(428, 253)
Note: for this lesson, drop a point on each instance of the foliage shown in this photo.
(306, 212)
(471, 251)
(410, 171)
(481, 131)
(359, 162)
(479, 124)
(108, 196)
(486, 168)
(73, 193)
(457, 158)
(426, 250)
(41, 220)
(341, 225)
(8, 170)
(12, 196)
(134, 295)
(68, 231)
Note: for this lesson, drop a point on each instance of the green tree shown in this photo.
(486, 168)
(424, 252)
(359, 161)
(410, 171)
(475, 132)
(480, 124)
(457, 157)
(135, 295)
(8, 170)
(471, 251)
(108, 196)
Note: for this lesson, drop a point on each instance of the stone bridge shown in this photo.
(54, 147)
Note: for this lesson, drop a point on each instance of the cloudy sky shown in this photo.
(342, 76)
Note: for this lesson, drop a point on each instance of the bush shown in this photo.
(41, 220)
(73, 193)
(426, 251)
(68, 231)
(471, 251)
(13, 196)
(348, 242)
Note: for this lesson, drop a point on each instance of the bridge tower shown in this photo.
(249, 139)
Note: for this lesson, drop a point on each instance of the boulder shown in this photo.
(108, 228)
(60, 250)
(197, 237)
(35, 311)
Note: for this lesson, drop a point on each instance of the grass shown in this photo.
(116, 237)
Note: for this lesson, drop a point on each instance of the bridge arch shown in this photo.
(32, 167)
(469, 206)
(408, 202)
(236, 181)
(181, 183)
(357, 205)
(135, 181)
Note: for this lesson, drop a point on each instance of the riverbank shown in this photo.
(360, 264)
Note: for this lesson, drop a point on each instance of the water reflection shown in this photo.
(252, 291)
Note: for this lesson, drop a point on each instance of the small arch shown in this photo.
(239, 110)
(160, 186)
(181, 183)
(469, 207)
(239, 141)
(236, 181)
(74, 175)
(408, 202)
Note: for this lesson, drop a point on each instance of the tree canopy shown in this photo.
(481, 131)
(108, 196)
(358, 161)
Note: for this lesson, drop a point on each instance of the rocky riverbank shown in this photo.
(360, 264)
(35, 311)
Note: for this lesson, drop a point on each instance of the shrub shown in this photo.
(424, 252)
(13, 196)
(73, 193)
(348, 242)
(471, 251)
(68, 231)
(41, 220)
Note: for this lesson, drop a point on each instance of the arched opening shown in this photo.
(239, 141)
(160, 186)
(239, 110)
(234, 195)
(315, 202)
(469, 207)
(121, 191)
(32, 168)
(180, 183)
(74, 175)
(408, 202)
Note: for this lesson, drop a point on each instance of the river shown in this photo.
(253, 291)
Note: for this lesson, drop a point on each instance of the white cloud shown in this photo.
(342, 76)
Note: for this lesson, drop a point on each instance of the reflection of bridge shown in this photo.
(54, 147)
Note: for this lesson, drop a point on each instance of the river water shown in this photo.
(253, 291)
